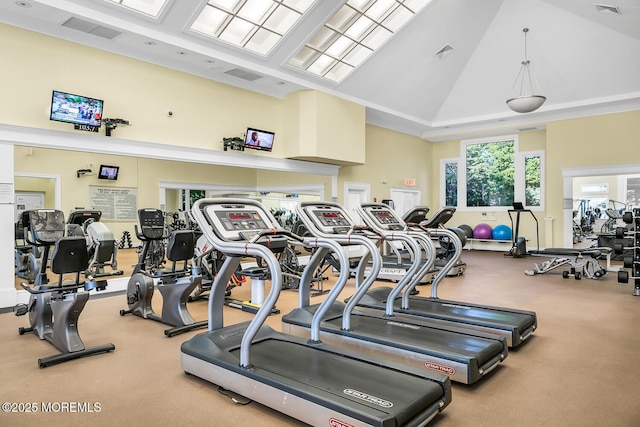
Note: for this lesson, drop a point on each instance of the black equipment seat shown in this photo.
(181, 246)
(69, 255)
(566, 252)
(441, 217)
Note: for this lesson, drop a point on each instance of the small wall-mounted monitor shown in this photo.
(257, 139)
(108, 172)
(76, 109)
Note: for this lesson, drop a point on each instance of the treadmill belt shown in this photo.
(467, 315)
(422, 339)
(374, 386)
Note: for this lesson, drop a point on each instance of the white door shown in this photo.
(404, 199)
(354, 195)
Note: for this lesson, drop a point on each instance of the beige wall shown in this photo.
(206, 111)
(203, 111)
(391, 157)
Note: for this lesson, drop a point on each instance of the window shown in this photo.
(449, 184)
(533, 179)
(492, 172)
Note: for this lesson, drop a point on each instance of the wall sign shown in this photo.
(116, 204)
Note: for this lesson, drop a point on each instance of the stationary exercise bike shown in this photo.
(54, 309)
(174, 285)
(101, 244)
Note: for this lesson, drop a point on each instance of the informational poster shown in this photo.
(27, 201)
(116, 204)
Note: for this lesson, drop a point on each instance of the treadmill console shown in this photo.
(384, 218)
(151, 223)
(237, 221)
(330, 220)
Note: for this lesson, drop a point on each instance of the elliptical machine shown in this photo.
(54, 310)
(174, 285)
(26, 256)
(101, 244)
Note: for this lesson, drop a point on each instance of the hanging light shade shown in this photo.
(527, 101)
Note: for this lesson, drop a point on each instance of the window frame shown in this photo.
(518, 177)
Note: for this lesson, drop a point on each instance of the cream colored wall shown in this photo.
(324, 127)
(392, 157)
(38, 185)
(277, 178)
(203, 111)
(610, 139)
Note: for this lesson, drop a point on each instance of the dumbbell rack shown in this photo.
(631, 261)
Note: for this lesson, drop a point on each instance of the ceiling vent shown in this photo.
(91, 28)
(444, 52)
(243, 74)
(528, 129)
(608, 9)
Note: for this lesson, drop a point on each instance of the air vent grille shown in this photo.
(243, 74)
(444, 51)
(608, 9)
(91, 28)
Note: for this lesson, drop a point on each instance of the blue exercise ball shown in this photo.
(502, 232)
(482, 231)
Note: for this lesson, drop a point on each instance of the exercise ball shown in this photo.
(482, 231)
(462, 235)
(502, 232)
(468, 231)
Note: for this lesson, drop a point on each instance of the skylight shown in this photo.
(147, 7)
(352, 34)
(257, 25)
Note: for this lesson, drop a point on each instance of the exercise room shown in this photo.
(325, 213)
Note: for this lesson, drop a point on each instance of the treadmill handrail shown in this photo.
(457, 248)
(429, 259)
(247, 249)
(362, 284)
(392, 236)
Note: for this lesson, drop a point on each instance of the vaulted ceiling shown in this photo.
(584, 55)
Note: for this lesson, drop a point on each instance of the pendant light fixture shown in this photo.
(527, 101)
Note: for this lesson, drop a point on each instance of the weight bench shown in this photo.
(581, 262)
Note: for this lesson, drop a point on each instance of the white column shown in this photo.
(8, 293)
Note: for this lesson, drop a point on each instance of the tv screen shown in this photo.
(76, 109)
(108, 172)
(259, 139)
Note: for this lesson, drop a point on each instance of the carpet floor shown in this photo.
(580, 368)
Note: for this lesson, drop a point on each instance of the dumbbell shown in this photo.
(629, 216)
(623, 276)
(618, 248)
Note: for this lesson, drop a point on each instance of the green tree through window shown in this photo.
(490, 174)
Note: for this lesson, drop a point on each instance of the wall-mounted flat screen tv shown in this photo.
(76, 109)
(259, 139)
(108, 172)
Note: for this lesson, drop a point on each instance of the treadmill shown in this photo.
(426, 344)
(300, 377)
(418, 215)
(513, 324)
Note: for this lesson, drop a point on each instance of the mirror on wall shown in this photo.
(49, 178)
(598, 205)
